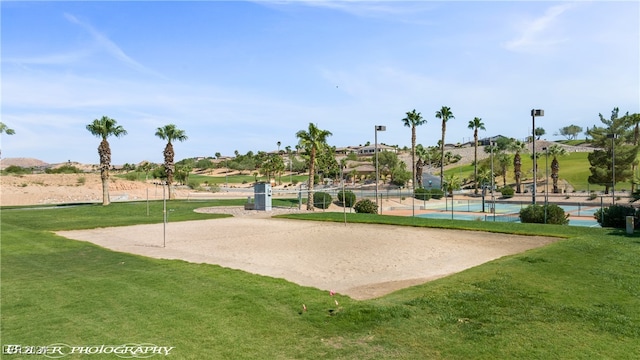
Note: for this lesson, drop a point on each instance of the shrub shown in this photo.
(535, 214)
(366, 206)
(194, 185)
(64, 169)
(131, 176)
(82, 180)
(17, 170)
(593, 196)
(321, 200)
(436, 194)
(507, 192)
(422, 194)
(615, 216)
(347, 198)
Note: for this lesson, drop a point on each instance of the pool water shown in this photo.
(504, 212)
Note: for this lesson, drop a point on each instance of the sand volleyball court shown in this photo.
(362, 261)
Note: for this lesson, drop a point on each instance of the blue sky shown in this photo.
(244, 75)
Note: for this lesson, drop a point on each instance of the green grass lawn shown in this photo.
(575, 299)
(574, 168)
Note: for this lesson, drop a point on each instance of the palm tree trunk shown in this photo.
(169, 167)
(517, 170)
(105, 159)
(475, 161)
(444, 129)
(312, 160)
(555, 169)
(413, 157)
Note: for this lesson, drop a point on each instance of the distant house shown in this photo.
(371, 149)
(487, 141)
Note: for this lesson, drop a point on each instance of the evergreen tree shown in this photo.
(614, 143)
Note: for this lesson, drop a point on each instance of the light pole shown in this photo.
(375, 149)
(613, 167)
(546, 182)
(493, 199)
(535, 113)
(279, 174)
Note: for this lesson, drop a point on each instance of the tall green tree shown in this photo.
(312, 140)
(444, 114)
(614, 144)
(517, 147)
(570, 132)
(103, 128)
(556, 151)
(475, 125)
(170, 133)
(422, 155)
(413, 120)
(634, 122)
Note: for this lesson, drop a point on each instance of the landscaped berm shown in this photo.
(218, 282)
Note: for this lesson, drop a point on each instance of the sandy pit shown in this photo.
(362, 261)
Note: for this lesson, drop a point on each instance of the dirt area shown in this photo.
(362, 261)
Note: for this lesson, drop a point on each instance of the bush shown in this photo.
(321, 200)
(194, 185)
(64, 169)
(422, 194)
(615, 216)
(17, 170)
(507, 192)
(436, 194)
(131, 176)
(535, 214)
(347, 198)
(366, 206)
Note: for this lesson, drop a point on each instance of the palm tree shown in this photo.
(412, 120)
(517, 147)
(556, 151)
(422, 155)
(452, 182)
(103, 128)
(475, 125)
(312, 141)
(445, 114)
(170, 133)
(6, 130)
(503, 160)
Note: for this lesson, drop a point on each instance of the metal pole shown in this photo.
(535, 162)
(546, 183)
(375, 150)
(378, 128)
(344, 197)
(493, 199)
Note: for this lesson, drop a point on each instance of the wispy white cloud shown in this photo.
(537, 35)
(110, 47)
(363, 8)
(51, 59)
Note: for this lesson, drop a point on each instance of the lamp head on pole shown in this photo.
(537, 112)
(381, 128)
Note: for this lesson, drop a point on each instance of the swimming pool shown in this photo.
(504, 212)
